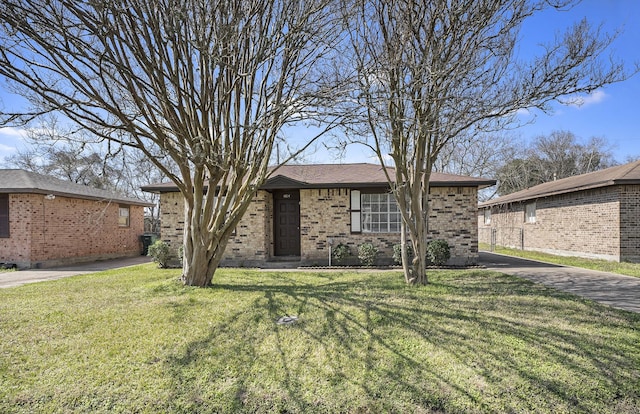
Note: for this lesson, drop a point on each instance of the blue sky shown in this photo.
(612, 112)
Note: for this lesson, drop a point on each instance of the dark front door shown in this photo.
(287, 223)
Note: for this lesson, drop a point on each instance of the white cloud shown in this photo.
(13, 132)
(593, 98)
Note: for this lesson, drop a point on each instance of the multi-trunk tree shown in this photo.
(205, 84)
(433, 72)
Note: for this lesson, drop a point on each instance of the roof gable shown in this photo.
(618, 175)
(21, 181)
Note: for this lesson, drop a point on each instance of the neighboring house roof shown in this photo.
(619, 175)
(26, 182)
(341, 176)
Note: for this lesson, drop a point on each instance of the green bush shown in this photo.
(397, 253)
(367, 253)
(341, 252)
(159, 251)
(438, 252)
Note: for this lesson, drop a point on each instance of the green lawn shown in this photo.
(624, 268)
(136, 340)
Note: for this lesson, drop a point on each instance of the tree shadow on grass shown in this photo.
(474, 343)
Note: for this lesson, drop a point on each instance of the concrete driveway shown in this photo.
(611, 289)
(22, 277)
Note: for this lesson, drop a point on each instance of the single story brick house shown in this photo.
(304, 209)
(594, 215)
(47, 222)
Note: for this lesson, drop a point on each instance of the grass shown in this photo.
(623, 268)
(473, 341)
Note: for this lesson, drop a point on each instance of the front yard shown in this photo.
(136, 340)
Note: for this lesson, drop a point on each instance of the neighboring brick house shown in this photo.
(46, 222)
(302, 209)
(595, 215)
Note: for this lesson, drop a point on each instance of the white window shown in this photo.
(487, 215)
(530, 213)
(123, 217)
(374, 213)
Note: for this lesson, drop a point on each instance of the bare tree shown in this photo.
(207, 84)
(552, 157)
(432, 72)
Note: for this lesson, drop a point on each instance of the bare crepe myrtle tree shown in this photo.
(206, 84)
(431, 72)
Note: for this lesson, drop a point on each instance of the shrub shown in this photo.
(367, 253)
(341, 252)
(159, 251)
(397, 253)
(438, 252)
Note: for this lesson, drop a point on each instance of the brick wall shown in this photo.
(250, 245)
(324, 215)
(584, 223)
(16, 249)
(46, 233)
(629, 222)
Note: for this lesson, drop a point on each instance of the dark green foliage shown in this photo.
(367, 253)
(397, 253)
(341, 252)
(159, 251)
(438, 252)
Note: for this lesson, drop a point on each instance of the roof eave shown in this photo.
(74, 195)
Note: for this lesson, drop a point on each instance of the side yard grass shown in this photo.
(624, 268)
(473, 341)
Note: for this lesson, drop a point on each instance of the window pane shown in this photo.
(123, 218)
(380, 213)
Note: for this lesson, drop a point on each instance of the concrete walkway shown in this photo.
(22, 277)
(611, 289)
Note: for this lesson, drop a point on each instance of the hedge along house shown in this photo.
(47, 222)
(303, 210)
(594, 215)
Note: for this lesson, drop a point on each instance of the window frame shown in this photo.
(385, 209)
(487, 216)
(121, 208)
(5, 231)
(530, 215)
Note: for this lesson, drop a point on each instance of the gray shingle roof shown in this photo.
(341, 176)
(619, 175)
(21, 181)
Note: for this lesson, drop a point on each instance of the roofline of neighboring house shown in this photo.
(128, 201)
(507, 200)
(172, 188)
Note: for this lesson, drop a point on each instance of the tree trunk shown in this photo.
(419, 268)
(201, 257)
(408, 277)
(203, 244)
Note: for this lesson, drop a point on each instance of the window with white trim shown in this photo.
(530, 213)
(374, 213)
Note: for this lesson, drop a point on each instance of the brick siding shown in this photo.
(601, 223)
(324, 215)
(64, 230)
